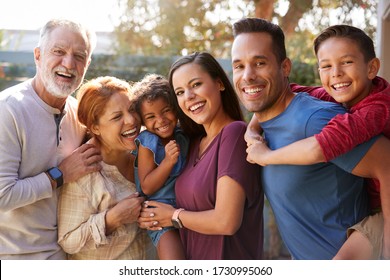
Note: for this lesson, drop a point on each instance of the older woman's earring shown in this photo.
(222, 89)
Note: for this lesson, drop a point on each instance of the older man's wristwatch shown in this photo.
(56, 175)
(175, 218)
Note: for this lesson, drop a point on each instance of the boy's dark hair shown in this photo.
(151, 88)
(256, 25)
(210, 65)
(363, 41)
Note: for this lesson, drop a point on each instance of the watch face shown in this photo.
(55, 173)
(177, 224)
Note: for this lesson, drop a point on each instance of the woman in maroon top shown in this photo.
(219, 195)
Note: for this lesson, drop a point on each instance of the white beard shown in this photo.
(59, 90)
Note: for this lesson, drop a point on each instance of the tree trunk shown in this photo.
(295, 12)
(264, 9)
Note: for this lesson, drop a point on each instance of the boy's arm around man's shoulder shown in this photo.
(315, 91)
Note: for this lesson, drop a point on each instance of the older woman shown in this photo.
(98, 213)
(218, 194)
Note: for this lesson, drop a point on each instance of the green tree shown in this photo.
(175, 27)
(1, 39)
(170, 27)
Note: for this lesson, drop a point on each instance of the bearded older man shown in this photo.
(41, 142)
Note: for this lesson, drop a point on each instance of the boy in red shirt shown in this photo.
(348, 70)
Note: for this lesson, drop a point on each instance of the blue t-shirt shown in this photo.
(152, 142)
(313, 204)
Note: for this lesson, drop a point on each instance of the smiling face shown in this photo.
(197, 93)
(343, 71)
(158, 117)
(62, 62)
(119, 125)
(258, 78)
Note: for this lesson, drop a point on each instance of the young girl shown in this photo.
(162, 149)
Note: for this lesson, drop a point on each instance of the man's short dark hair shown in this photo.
(258, 25)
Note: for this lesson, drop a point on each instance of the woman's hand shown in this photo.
(125, 211)
(155, 215)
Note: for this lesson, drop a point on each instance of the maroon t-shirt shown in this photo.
(196, 189)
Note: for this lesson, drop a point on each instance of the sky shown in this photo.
(101, 15)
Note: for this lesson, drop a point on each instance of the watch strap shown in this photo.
(175, 215)
(175, 218)
(60, 181)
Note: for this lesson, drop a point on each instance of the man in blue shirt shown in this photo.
(314, 205)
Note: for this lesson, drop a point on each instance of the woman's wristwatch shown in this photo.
(176, 220)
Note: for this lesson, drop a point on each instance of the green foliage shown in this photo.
(129, 68)
(15, 70)
(300, 47)
(11, 74)
(154, 31)
(304, 73)
(1, 39)
(304, 63)
(359, 13)
(176, 27)
(173, 27)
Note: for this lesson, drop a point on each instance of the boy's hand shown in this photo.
(258, 152)
(252, 137)
(253, 131)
